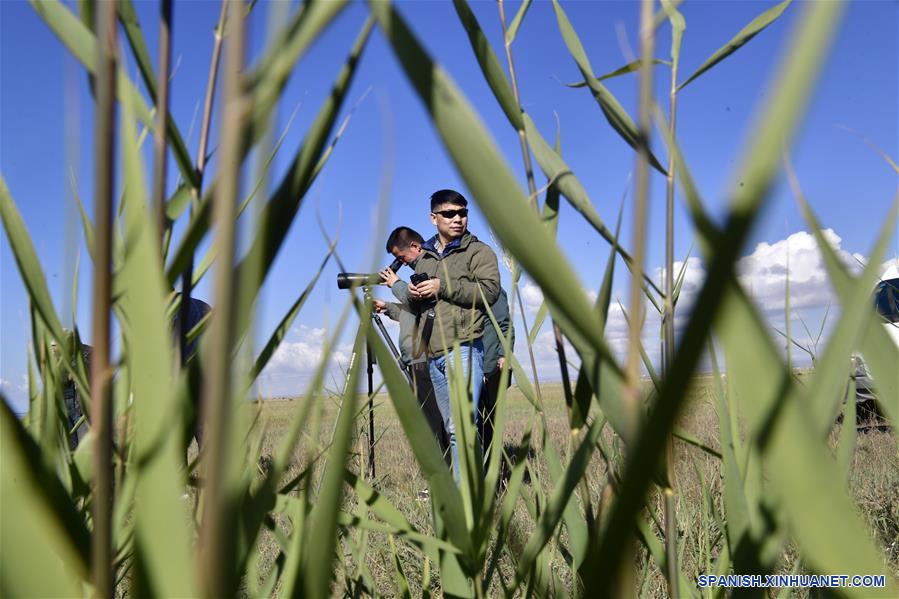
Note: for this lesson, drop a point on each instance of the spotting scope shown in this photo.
(345, 280)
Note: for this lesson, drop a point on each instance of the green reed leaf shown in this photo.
(178, 203)
(827, 388)
(631, 67)
(803, 475)
(678, 25)
(877, 347)
(539, 319)
(562, 177)
(35, 283)
(281, 210)
(284, 326)
(267, 80)
(496, 191)
(444, 494)
(756, 26)
(490, 67)
(471, 469)
(848, 431)
(28, 264)
(396, 522)
(691, 439)
(792, 87)
(739, 518)
(681, 275)
(615, 114)
(271, 489)
(165, 550)
(512, 32)
(316, 567)
(584, 393)
(510, 499)
(561, 495)
(206, 263)
(306, 164)
(135, 37)
(39, 520)
(79, 39)
(402, 583)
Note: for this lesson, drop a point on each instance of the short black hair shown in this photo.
(447, 196)
(402, 237)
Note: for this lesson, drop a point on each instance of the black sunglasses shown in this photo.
(448, 214)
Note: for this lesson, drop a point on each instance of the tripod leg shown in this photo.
(371, 414)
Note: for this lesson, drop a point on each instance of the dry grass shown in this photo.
(874, 482)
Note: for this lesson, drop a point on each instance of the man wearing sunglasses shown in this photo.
(456, 276)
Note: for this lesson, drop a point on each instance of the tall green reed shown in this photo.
(582, 531)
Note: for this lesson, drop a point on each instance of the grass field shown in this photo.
(874, 482)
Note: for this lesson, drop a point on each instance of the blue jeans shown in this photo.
(438, 370)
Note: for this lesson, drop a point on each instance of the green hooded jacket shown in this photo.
(465, 265)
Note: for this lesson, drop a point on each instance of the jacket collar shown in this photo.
(431, 244)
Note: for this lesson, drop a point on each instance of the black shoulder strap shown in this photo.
(420, 342)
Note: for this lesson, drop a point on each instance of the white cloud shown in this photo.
(890, 268)
(764, 272)
(531, 295)
(305, 353)
(16, 395)
(616, 335)
(693, 273)
(545, 356)
(8, 386)
(297, 358)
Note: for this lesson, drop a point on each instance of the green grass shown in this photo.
(874, 481)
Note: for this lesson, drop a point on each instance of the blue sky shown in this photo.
(46, 124)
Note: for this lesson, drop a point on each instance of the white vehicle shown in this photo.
(886, 303)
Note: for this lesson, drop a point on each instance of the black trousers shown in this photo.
(427, 400)
(487, 411)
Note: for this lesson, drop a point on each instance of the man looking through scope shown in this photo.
(405, 245)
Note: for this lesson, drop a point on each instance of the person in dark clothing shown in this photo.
(197, 311)
(494, 358)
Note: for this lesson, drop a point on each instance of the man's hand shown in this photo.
(379, 305)
(388, 277)
(425, 290)
(500, 362)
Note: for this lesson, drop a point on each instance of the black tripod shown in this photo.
(370, 369)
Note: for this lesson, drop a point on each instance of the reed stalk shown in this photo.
(162, 115)
(638, 236)
(217, 531)
(532, 195)
(101, 421)
(668, 348)
(187, 277)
